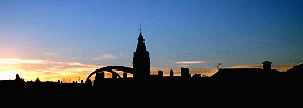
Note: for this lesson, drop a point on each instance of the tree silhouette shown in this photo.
(37, 80)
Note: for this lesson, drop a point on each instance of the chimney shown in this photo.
(171, 73)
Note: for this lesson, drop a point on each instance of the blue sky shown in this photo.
(103, 32)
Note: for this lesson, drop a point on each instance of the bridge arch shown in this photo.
(109, 69)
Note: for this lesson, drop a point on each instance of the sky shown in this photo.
(57, 38)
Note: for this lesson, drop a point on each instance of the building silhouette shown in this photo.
(266, 65)
(196, 76)
(160, 74)
(171, 73)
(296, 71)
(141, 60)
(266, 72)
(185, 72)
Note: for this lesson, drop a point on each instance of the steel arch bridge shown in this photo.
(109, 69)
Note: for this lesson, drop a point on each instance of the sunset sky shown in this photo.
(52, 39)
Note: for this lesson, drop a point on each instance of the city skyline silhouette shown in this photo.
(141, 71)
(54, 41)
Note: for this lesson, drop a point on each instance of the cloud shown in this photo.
(42, 63)
(19, 61)
(50, 54)
(76, 64)
(44, 69)
(190, 62)
(107, 56)
(184, 65)
(81, 64)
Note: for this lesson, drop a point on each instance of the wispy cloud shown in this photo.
(50, 54)
(190, 62)
(184, 65)
(19, 61)
(44, 69)
(107, 56)
(81, 64)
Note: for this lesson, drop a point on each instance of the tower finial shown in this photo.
(140, 28)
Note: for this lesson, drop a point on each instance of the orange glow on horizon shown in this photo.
(45, 70)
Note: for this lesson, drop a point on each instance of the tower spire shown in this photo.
(141, 60)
